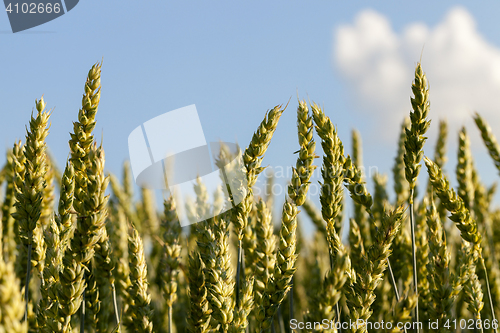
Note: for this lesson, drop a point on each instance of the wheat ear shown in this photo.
(460, 215)
(199, 309)
(29, 193)
(220, 276)
(465, 188)
(360, 294)
(442, 292)
(331, 194)
(401, 187)
(454, 204)
(48, 308)
(8, 232)
(440, 159)
(171, 258)
(241, 314)
(489, 139)
(280, 283)
(138, 317)
(304, 167)
(57, 236)
(266, 244)
(359, 210)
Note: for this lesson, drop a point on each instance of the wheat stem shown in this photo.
(238, 273)
(414, 259)
(26, 285)
(489, 294)
(82, 309)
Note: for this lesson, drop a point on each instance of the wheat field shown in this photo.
(74, 258)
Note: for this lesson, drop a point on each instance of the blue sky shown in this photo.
(235, 60)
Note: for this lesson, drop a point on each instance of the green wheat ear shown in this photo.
(419, 124)
(199, 309)
(401, 187)
(139, 315)
(454, 204)
(304, 167)
(29, 186)
(252, 159)
(489, 139)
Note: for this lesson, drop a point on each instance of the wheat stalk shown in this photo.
(252, 159)
(414, 151)
(172, 249)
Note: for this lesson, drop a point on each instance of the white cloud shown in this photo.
(463, 69)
